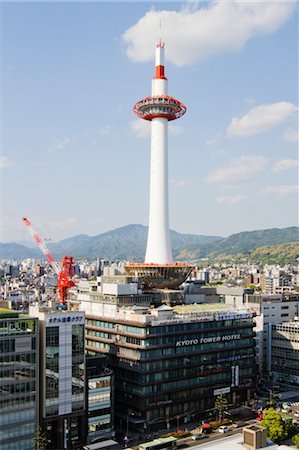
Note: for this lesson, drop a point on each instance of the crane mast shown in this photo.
(65, 273)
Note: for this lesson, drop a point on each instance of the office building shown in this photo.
(62, 375)
(268, 309)
(168, 361)
(100, 399)
(284, 353)
(19, 348)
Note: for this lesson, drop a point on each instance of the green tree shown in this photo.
(296, 440)
(275, 425)
(40, 439)
(221, 405)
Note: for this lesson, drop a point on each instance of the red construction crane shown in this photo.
(65, 273)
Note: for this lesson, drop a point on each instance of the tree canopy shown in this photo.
(221, 405)
(275, 425)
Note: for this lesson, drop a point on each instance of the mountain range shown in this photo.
(129, 242)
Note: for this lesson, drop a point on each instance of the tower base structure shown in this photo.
(160, 276)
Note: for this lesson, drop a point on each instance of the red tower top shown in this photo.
(159, 104)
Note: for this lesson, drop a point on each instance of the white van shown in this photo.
(223, 429)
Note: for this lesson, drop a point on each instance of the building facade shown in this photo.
(99, 399)
(169, 363)
(19, 347)
(284, 353)
(269, 309)
(62, 375)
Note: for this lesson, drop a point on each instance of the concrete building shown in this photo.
(19, 349)
(268, 309)
(100, 399)
(168, 361)
(62, 375)
(196, 292)
(236, 442)
(284, 353)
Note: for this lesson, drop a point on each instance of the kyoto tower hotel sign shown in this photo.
(159, 108)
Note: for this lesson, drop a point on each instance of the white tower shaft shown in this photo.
(158, 249)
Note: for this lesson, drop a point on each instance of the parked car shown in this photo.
(240, 423)
(198, 437)
(223, 429)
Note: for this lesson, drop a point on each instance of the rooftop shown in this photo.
(201, 307)
(235, 442)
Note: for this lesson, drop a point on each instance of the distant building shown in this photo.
(62, 374)
(269, 309)
(19, 349)
(39, 270)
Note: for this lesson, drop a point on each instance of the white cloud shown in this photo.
(262, 118)
(213, 141)
(142, 128)
(180, 183)
(238, 170)
(231, 199)
(249, 101)
(4, 162)
(105, 130)
(291, 135)
(175, 129)
(198, 31)
(281, 190)
(285, 164)
(60, 144)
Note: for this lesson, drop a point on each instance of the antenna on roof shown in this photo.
(160, 43)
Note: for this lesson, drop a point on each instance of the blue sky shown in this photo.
(75, 159)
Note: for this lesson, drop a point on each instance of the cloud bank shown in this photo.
(285, 164)
(283, 190)
(193, 34)
(262, 118)
(4, 162)
(238, 170)
(231, 199)
(142, 128)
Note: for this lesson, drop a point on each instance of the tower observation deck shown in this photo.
(159, 109)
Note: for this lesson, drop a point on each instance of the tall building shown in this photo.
(159, 108)
(284, 353)
(62, 375)
(19, 349)
(168, 361)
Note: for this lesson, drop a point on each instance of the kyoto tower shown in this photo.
(159, 109)
(158, 268)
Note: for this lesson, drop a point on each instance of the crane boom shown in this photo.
(65, 272)
(41, 245)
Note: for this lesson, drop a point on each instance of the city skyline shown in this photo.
(74, 159)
